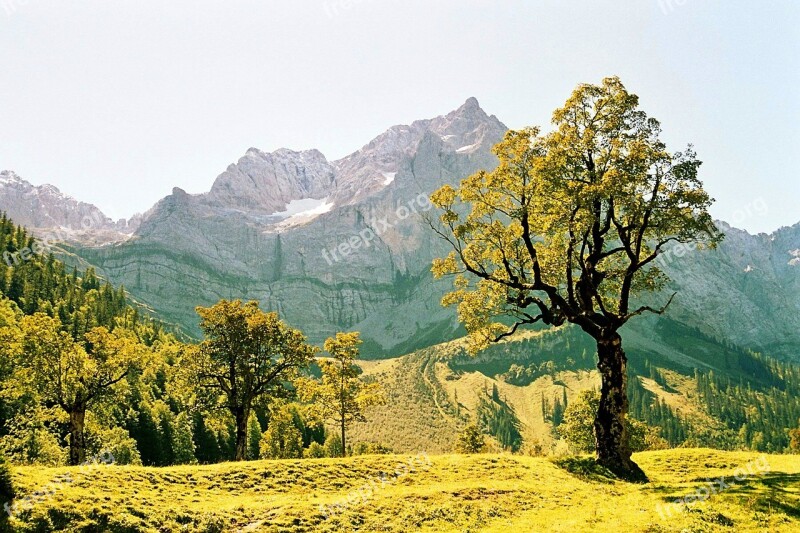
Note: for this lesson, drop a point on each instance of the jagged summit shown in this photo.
(45, 209)
(9, 176)
(266, 182)
(376, 165)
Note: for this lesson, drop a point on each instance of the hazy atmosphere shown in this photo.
(117, 102)
(356, 266)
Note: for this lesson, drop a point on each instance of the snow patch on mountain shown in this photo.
(467, 149)
(303, 211)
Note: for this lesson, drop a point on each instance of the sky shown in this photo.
(117, 102)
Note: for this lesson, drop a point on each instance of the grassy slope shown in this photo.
(433, 392)
(454, 493)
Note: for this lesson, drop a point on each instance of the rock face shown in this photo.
(343, 245)
(747, 291)
(46, 210)
(267, 183)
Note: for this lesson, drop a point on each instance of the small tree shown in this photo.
(247, 355)
(471, 440)
(577, 427)
(333, 446)
(315, 450)
(254, 435)
(183, 447)
(341, 396)
(282, 439)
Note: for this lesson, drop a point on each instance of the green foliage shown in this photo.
(333, 446)
(31, 437)
(794, 439)
(117, 443)
(7, 492)
(253, 437)
(567, 227)
(248, 355)
(315, 450)
(757, 418)
(579, 433)
(282, 439)
(645, 406)
(471, 440)
(578, 426)
(371, 448)
(183, 447)
(499, 420)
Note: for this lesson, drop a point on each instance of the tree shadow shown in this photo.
(587, 469)
(768, 493)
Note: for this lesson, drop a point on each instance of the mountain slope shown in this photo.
(193, 250)
(702, 398)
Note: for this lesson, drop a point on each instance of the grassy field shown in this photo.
(418, 493)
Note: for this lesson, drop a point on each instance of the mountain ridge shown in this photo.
(267, 227)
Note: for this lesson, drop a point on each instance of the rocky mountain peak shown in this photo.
(8, 177)
(266, 182)
(375, 166)
(45, 209)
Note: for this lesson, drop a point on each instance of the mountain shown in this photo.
(277, 228)
(47, 211)
(342, 245)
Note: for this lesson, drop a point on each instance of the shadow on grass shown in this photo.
(767, 493)
(586, 468)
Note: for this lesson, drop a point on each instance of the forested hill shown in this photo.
(32, 278)
(68, 340)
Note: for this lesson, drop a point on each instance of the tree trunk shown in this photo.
(242, 415)
(611, 434)
(344, 443)
(77, 443)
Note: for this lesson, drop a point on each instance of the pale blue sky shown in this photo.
(116, 102)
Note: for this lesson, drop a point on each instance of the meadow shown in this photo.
(465, 493)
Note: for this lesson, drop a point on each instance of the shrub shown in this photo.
(578, 427)
(471, 440)
(314, 451)
(371, 448)
(333, 446)
(281, 441)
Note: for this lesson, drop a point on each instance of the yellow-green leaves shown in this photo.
(568, 225)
